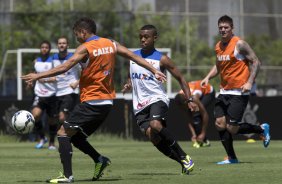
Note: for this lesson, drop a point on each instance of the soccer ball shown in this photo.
(23, 122)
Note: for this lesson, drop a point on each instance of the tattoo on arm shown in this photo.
(254, 63)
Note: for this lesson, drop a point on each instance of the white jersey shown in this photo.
(45, 89)
(64, 80)
(146, 89)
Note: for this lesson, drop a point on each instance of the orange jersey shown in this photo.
(233, 67)
(195, 88)
(96, 80)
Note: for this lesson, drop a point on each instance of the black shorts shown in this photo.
(49, 104)
(155, 111)
(232, 106)
(66, 103)
(87, 118)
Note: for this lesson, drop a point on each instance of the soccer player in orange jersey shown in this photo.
(96, 94)
(238, 66)
(199, 122)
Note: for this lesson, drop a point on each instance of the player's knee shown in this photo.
(220, 124)
(156, 125)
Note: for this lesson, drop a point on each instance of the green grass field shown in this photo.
(139, 162)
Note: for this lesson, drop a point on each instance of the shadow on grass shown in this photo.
(76, 181)
(153, 174)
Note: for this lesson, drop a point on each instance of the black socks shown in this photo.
(246, 128)
(227, 142)
(65, 150)
(167, 151)
(166, 136)
(80, 142)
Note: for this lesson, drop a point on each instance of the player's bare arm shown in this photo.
(166, 63)
(244, 49)
(79, 54)
(123, 51)
(212, 73)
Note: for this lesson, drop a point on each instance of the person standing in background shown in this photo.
(67, 83)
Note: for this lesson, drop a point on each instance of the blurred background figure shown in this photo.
(44, 97)
(66, 83)
(199, 121)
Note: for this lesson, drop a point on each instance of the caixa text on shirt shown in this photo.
(223, 57)
(142, 76)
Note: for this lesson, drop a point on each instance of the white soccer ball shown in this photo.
(23, 122)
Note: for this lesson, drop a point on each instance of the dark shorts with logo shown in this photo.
(232, 106)
(155, 111)
(48, 104)
(87, 118)
(66, 103)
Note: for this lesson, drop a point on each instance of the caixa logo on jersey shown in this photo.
(142, 76)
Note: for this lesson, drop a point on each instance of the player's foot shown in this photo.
(206, 144)
(187, 165)
(266, 134)
(61, 179)
(100, 167)
(228, 160)
(196, 144)
(41, 143)
(52, 147)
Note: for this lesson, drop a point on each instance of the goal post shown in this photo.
(22, 51)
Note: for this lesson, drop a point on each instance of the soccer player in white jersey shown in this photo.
(150, 101)
(67, 83)
(45, 98)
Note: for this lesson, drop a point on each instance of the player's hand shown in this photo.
(204, 82)
(201, 137)
(30, 77)
(246, 87)
(127, 87)
(193, 106)
(160, 76)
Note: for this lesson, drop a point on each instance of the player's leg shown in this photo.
(158, 113)
(37, 111)
(52, 112)
(160, 144)
(87, 119)
(225, 136)
(65, 150)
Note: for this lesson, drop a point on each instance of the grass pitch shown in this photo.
(140, 163)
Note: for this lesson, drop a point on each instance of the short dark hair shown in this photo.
(46, 42)
(85, 23)
(150, 27)
(225, 18)
(63, 37)
(180, 99)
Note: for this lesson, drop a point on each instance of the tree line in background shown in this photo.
(28, 27)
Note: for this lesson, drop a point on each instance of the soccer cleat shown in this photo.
(266, 134)
(100, 167)
(41, 143)
(206, 144)
(52, 147)
(187, 165)
(61, 179)
(196, 144)
(228, 161)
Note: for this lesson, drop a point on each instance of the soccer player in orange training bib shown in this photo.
(238, 66)
(96, 94)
